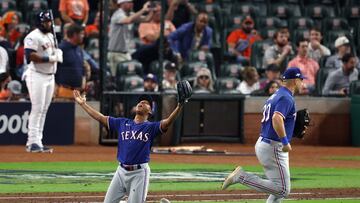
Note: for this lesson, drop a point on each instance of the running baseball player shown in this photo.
(41, 57)
(273, 145)
(135, 137)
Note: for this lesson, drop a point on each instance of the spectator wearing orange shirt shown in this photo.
(149, 32)
(308, 66)
(240, 40)
(10, 21)
(93, 29)
(74, 11)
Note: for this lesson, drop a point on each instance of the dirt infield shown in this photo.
(198, 196)
(301, 156)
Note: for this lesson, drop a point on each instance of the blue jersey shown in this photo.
(282, 102)
(135, 139)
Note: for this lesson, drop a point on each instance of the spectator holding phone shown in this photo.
(338, 81)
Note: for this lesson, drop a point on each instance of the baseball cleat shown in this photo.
(164, 200)
(231, 179)
(46, 149)
(34, 148)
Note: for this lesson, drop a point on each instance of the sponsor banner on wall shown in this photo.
(59, 124)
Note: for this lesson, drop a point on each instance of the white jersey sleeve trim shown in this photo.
(280, 114)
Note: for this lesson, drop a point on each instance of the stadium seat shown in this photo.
(204, 57)
(36, 5)
(268, 22)
(246, 9)
(354, 88)
(305, 33)
(132, 67)
(33, 7)
(7, 5)
(258, 51)
(320, 80)
(156, 69)
(233, 21)
(352, 14)
(336, 23)
(300, 23)
(227, 85)
(331, 6)
(190, 69)
(92, 42)
(317, 13)
(296, 6)
(22, 28)
(322, 61)
(352, 3)
(231, 70)
(281, 11)
(267, 33)
(133, 83)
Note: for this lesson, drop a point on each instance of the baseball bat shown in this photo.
(53, 28)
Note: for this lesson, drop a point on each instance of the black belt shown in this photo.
(120, 52)
(44, 73)
(130, 167)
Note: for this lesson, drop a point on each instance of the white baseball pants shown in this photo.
(276, 167)
(41, 90)
(134, 184)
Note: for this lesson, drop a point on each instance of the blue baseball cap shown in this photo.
(292, 73)
(147, 98)
(151, 77)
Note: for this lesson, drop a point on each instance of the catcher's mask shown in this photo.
(41, 18)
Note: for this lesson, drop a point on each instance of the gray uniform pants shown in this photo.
(276, 167)
(134, 184)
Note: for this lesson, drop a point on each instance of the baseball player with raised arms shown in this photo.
(135, 138)
(273, 146)
(41, 57)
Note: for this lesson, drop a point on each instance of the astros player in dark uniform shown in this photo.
(135, 137)
(273, 145)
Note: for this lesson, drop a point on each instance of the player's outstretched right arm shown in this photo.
(81, 100)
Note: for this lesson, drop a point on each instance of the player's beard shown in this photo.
(44, 29)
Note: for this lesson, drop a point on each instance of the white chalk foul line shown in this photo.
(162, 195)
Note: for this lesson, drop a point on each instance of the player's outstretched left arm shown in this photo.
(81, 100)
(165, 123)
(184, 93)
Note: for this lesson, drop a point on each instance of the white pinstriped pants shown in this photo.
(134, 184)
(276, 167)
(41, 90)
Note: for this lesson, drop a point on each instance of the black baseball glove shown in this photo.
(302, 120)
(184, 91)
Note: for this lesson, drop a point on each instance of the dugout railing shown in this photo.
(205, 118)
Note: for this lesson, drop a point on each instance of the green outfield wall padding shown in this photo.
(355, 120)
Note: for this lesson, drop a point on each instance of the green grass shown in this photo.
(297, 201)
(14, 177)
(344, 158)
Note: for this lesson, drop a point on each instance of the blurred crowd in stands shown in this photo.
(220, 46)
